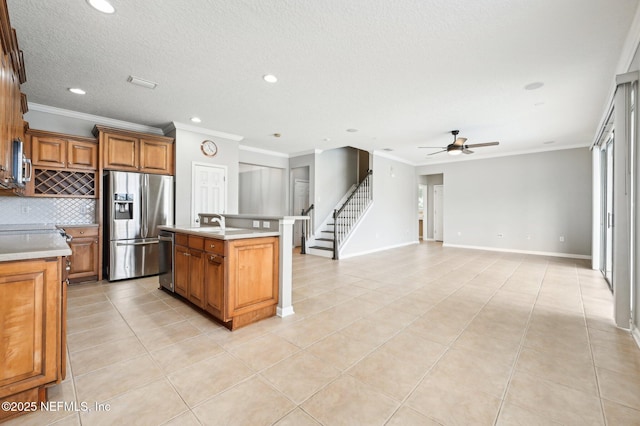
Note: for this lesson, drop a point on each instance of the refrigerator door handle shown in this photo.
(143, 243)
(143, 199)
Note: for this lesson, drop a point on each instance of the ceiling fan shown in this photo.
(458, 146)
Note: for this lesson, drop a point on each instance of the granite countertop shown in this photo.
(229, 233)
(32, 245)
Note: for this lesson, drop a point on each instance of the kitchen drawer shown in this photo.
(182, 240)
(214, 246)
(79, 232)
(196, 242)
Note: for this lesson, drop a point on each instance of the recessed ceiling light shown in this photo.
(533, 86)
(270, 78)
(101, 5)
(77, 91)
(196, 119)
(548, 142)
(326, 139)
(276, 135)
(352, 130)
(387, 149)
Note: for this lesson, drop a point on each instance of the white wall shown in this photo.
(392, 220)
(188, 151)
(531, 199)
(306, 160)
(261, 190)
(336, 170)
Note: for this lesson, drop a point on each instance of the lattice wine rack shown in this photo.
(64, 183)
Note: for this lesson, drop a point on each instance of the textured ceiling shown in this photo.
(404, 73)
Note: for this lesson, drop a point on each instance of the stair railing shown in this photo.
(307, 226)
(346, 216)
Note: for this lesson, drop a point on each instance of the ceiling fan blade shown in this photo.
(433, 147)
(477, 145)
(467, 151)
(459, 141)
(433, 153)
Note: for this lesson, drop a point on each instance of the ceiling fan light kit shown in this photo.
(458, 146)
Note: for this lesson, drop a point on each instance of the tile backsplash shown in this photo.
(68, 211)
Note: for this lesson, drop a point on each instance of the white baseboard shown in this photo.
(537, 253)
(635, 332)
(362, 253)
(284, 312)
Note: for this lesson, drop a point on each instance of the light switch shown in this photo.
(266, 225)
(256, 224)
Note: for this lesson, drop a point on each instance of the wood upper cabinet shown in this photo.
(156, 156)
(48, 151)
(12, 101)
(63, 165)
(32, 314)
(135, 152)
(62, 151)
(120, 153)
(84, 253)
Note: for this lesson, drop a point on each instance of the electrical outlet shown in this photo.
(500, 235)
(205, 219)
(562, 238)
(528, 237)
(256, 224)
(266, 225)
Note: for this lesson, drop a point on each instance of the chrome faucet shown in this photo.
(219, 219)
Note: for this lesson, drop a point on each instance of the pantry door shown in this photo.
(208, 190)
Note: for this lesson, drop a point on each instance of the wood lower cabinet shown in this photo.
(189, 268)
(236, 281)
(84, 260)
(135, 152)
(32, 314)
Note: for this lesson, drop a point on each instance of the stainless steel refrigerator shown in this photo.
(135, 204)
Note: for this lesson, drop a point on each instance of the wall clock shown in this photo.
(209, 148)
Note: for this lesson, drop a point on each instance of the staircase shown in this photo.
(330, 238)
(323, 244)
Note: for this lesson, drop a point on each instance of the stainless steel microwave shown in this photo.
(21, 169)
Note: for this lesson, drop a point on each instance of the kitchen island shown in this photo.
(266, 225)
(33, 317)
(231, 273)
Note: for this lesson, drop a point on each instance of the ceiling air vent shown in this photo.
(142, 82)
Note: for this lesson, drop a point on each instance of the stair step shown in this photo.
(324, 239)
(322, 248)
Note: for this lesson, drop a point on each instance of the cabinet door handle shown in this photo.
(82, 232)
(212, 246)
(213, 257)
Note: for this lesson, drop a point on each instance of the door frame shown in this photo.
(224, 168)
(440, 217)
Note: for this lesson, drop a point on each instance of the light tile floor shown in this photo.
(421, 335)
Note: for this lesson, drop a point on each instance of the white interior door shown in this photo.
(208, 190)
(438, 216)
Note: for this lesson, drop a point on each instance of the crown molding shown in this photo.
(303, 153)
(195, 129)
(95, 119)
(506, 154)
(262, 151)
